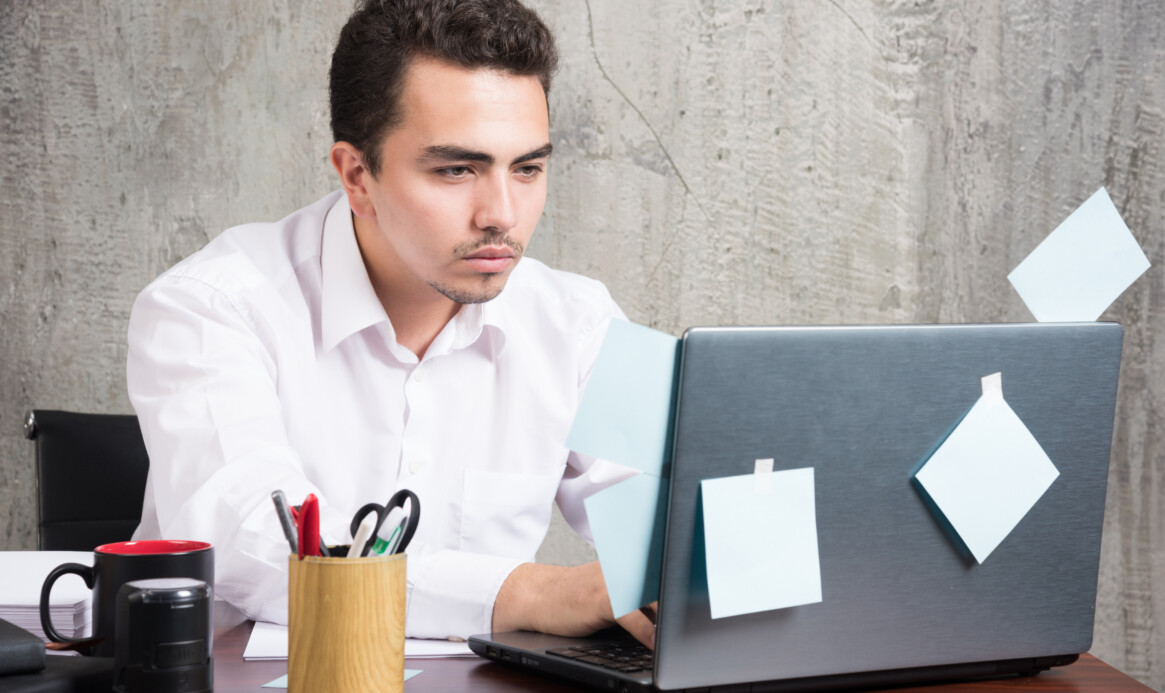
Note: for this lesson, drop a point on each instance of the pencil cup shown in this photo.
(346, 629)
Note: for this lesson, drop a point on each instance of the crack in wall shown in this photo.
(853, 21)
(671, 162)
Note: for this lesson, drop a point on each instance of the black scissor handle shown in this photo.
(363, 513)
(398, 501)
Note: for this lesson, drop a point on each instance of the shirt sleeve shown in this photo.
(203, 385)
(451, 594)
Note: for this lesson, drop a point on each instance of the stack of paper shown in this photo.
(269, 641)
(24, 573)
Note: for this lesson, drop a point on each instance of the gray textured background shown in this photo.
(716, 161)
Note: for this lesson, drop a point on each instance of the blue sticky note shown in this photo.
(627, 523)
(988, 473)
(1082, 266)
(760, 537)
(625, 412)
(281, 682)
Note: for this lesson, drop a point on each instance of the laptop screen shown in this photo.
(864, 408)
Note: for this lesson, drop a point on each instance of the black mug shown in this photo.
(118, 563)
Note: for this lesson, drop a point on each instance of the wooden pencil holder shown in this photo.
(346, 627)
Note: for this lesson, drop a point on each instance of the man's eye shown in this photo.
(454, 171)
(529, 171)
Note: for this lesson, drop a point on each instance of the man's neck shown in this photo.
(418, 312)
(417, 324)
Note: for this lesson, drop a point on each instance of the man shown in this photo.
(391, 336)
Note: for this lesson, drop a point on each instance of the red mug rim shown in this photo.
(152, 547)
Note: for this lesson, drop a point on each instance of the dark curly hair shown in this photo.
(383, 36)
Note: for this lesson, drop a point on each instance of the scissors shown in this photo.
(394, 527)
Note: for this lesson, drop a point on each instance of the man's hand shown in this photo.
(564, 601)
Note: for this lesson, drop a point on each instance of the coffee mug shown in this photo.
(118, 563)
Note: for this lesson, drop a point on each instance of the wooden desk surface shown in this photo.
(233, 675)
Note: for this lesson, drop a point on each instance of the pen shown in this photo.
(285, 519)
(396, 545)
(362, 535)
(309, 527)
(389, 532)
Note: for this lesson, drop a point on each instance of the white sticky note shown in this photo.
(761, 546)
(988, 474)
(626, 407)
(627, 524)
(1081, 267)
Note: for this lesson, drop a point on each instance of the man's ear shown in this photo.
(355, 178)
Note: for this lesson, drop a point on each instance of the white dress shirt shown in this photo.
(265, 361)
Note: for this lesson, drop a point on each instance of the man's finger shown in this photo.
(640, 627)
(650, 611)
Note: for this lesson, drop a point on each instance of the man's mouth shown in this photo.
(491, 252)
(491, 259)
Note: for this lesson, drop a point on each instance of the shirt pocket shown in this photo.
(506, 514)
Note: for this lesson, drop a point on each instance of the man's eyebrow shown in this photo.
(448, 153)
(539, 153)
(445, 152)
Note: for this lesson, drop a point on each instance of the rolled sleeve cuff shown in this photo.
(452, 593)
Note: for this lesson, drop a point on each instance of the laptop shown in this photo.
(903, 601)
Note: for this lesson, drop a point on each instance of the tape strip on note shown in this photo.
(763, 475)
(992, 389)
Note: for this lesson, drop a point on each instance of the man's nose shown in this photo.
(496, 211)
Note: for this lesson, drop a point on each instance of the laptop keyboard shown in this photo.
(627, 658)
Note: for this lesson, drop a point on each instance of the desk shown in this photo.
(233, 675)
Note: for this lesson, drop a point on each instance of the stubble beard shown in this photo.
(491, 284)
(468, 296)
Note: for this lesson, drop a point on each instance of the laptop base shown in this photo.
(528, 651)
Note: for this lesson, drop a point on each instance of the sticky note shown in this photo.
(625, 412)
(988, 473)
(760, 539)
(627, 522)
(1082, 266)
(281, 682)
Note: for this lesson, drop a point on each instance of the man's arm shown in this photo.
(573, 601)
(561, 600)
(203, 386)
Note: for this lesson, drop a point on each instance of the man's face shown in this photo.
(462, 182)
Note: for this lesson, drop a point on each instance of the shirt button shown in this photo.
(419, 375)
(416, 465)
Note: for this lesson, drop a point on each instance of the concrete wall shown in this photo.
(717, 161)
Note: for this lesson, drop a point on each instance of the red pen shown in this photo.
(308, 522)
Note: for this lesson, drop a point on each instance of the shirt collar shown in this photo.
(475, 322)
(348, 303)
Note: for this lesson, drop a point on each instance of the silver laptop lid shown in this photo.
(865, 406)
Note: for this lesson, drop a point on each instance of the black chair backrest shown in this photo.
(91, 477)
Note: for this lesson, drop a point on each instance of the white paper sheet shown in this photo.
(624, 413)
(269, 641)
(1082, 266)
(24, 573)
(281, 682)
(627, 523)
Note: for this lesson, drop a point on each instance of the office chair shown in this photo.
(90, 477)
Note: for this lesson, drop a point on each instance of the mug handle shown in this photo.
(46, 623)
